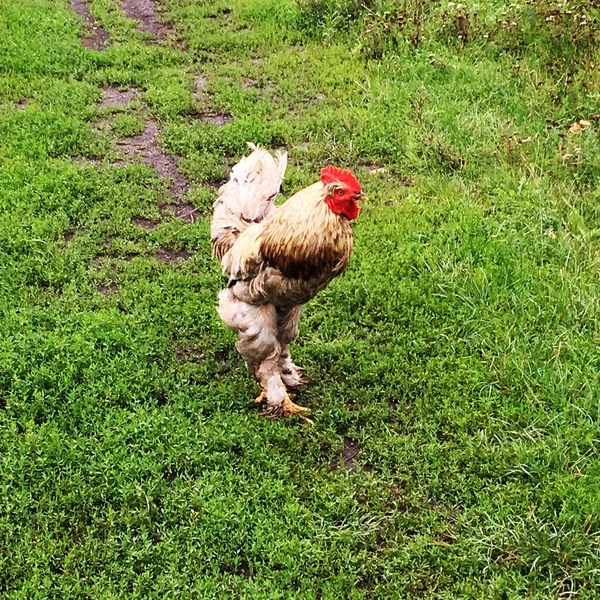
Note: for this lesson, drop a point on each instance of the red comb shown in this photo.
(330, 174)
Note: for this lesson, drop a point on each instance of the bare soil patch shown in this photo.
(107, 290)
(184, 354)
(146, 14)
(184, 211)
(350, 453)
(113, 96)
(216, 118)
(312, 100)
(243, 569)
(172, 257)
(95, 37)
(145, 223)
(70, 233)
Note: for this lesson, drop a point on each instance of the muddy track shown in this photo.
(172, 257)
(113, 96)
(94, 37)
(147, 17)
(145, 223)
(144, 147)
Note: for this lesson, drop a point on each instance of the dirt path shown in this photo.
(146, 14)
(95, 37)
(144, 148)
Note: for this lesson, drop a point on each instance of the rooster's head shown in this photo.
(343, 191)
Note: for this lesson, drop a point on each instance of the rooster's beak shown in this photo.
(361, 196)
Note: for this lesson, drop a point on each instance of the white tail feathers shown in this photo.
(254, 182)
(248, 196)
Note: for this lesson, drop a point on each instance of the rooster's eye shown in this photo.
(339, 192)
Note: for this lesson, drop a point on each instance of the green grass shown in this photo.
(460, 350)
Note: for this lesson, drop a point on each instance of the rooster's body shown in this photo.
(276, 260)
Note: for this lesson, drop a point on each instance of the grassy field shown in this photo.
(454, 367)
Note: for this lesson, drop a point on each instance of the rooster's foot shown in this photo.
(259, 401)
(286, 409)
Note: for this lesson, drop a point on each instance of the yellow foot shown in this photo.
(286, 409)
(289, 408)
(260, 399)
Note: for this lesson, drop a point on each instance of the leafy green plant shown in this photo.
(560, 32)
(125, 125)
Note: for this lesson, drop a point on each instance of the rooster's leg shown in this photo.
(294, 377)
(278, 401)
(258, 343)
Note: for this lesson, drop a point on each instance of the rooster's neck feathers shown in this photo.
(304, 238)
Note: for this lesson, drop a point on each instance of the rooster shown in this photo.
(276, 260)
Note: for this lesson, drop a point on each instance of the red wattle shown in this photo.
(349, 208)
(352, 209)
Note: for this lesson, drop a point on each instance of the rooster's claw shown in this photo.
(286, 409)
